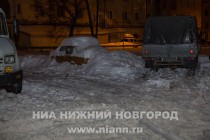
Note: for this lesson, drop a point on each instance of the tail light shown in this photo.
(146, 52)
(191, 51)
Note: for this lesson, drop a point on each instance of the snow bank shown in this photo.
(119, 65)
(34, 61)
(204, 61)
(46, 65)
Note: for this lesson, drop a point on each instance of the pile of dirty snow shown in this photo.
(119, 65)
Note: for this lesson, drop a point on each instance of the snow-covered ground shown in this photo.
(113, 82)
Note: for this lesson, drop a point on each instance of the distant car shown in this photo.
(128, 43)
(77, 49)
(129, 38)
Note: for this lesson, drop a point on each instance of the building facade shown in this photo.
(116, 17)
(205, 20)
(197, 8)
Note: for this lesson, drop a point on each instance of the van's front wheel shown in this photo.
(15, 88)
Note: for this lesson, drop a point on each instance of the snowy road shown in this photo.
(60, 88)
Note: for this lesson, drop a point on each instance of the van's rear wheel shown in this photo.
(15, 88)
(191, 72)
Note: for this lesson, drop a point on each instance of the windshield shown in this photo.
(3, 29)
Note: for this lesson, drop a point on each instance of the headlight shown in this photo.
(67, 49)
(9, 59)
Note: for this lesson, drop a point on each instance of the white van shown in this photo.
(10, 68)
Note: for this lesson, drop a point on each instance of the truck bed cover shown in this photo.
(170, 30)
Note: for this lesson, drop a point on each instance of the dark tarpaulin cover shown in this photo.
(170, 30)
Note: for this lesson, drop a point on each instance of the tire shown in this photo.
(9, 89)
(191, 72)
(149, 64)
(15, 88)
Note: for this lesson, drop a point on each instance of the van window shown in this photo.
(3, 29)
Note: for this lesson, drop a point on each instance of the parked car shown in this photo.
(77, 50)
(128, 43)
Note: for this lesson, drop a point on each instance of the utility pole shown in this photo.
(89, 17)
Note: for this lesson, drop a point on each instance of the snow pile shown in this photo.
(204, 62)
(34, 61)
(120, 65)
(117, 65)
(46, 65)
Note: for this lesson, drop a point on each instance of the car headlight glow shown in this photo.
(9, 59)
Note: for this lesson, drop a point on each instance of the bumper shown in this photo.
(11, 78)
(189, 62)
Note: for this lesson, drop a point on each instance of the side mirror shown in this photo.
(15, 28)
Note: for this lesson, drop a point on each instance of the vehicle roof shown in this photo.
(128, 36)
(170, 30)
(84, 41)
